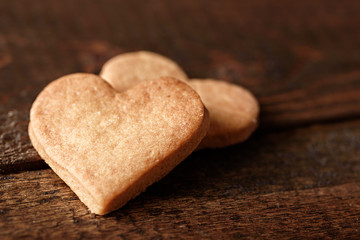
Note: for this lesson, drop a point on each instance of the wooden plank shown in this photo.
(303, 182)
(37, 204)
(16, 151)
(324, 153)
(303, 67)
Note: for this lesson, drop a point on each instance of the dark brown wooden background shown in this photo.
(298, 176)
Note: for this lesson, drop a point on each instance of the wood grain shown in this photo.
(16, 151)
(303, 67)
(38, 205)
(304, 182)
(299, 67)
(300, 58)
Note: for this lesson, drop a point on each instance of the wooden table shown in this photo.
(297, 177)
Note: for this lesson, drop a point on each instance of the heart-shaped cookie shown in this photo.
(109, 146)
(233, 109)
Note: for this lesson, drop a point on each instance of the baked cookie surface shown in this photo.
(233, 112)
(109, 146)
(126, 70)
(233, 109)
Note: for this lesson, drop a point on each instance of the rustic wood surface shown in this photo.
(298, 176)
(253, 190)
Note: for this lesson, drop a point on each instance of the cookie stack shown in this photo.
(110, 137)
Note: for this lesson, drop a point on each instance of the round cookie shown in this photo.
(233, 112)
(126, 70)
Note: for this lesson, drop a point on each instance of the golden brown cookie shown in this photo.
(233, 109)
(233, 112)
(126, 70)
(109, 146)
